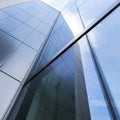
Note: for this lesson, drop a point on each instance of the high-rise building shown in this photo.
(59, 64)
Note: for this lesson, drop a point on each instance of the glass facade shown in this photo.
(21, 38)
(60, 65)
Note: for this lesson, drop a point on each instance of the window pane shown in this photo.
(35, 40)
(8, 88)
(21, 32)
(7, 46)
(9, 24)
(19, 62)
(97, 9)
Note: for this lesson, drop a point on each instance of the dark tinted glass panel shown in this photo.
(58, 38)
(53, 94)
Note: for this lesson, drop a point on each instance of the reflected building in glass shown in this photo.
(59, 64)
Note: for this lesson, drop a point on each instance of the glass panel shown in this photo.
(67, 5)
(105, 41)
(59, 92)
(33, 22)
(9, 24)
(12, 10)
(58, 38)
(19, 62)
(53, 14)
(7, 46)
(21, 32)
(35, 40)
(23, 16)
(32, 12)
(3, 15)
(40, 16)
(8, 88)
(97, 104)
(48, 21)
(23, 6)
(51, 95)
(44, 28)
(73, 20)
(97, 9)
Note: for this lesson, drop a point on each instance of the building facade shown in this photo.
(60, 65)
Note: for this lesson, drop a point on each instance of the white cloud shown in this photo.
(98, 103)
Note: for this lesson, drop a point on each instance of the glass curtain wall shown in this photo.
(70, 88)
(24, 27)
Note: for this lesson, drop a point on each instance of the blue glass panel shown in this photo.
(33, 22)
(21, 32)
(32, 11)
(35, 40)
(73, 20)
(13, 10)
(8, 88)
(97, 103)
(52, 92)
(23, 16)
(97, 9)
(7, 46)
(9, 24)
(44, 28)
(105, 41)
(19, 62)
(3, 15)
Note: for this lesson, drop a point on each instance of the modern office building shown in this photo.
(59, 64)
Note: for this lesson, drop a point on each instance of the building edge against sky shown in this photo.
(91, 66)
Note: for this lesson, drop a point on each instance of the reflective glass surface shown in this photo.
(51, 95)
(105, 41)
(33, 22)
(35, 40)
(97, 103)
(20, 42)
(58, 38)
(7, 46)
(22, 16)
(44, 28)
(70, 87)
(21, 32)
(73, 19)
(19, 62)
(97, 9)
(12, 10)
(9, 24)
(8, 88)
(3, 15)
